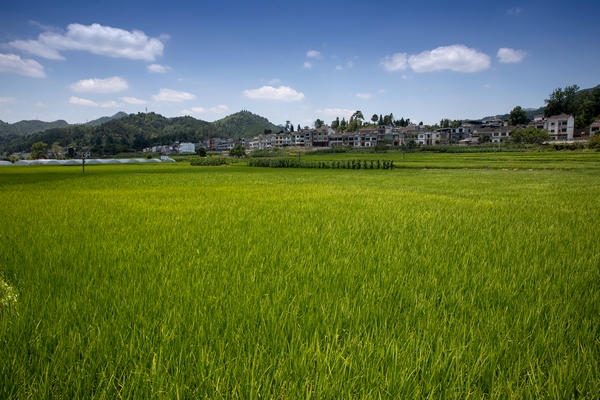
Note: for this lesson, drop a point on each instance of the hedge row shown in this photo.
(337, 164)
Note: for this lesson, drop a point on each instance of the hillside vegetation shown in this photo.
(136, 131)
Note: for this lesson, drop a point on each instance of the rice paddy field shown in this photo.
(172, 281)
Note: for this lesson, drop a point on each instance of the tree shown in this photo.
(518, 116)
(298, 129)
(561, 101)
(335, 124)
(38, 150)
(594, 142)
(374, 118)
(201, 151)
(56, 150)
(343, 125)
(237, 151)
(530, 135)
(318, 123)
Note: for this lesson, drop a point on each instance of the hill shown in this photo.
(122, 132)
(531, 112)
(244, 124)
(102, 120)
(10, 132)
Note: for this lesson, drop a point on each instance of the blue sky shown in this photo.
(295, 61)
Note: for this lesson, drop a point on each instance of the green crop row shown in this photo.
(211, 161)
(325, 164)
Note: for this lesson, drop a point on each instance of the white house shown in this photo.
(187, 148)
(560, 127)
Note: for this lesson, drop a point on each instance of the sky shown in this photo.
(291, 61)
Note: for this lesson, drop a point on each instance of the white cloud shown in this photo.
(160, 69)
(307, 65)
(133, 100)
(95, 85)
(274, 81)
(6, 100)
(458, 58)
(313, 54)
(173, 96)
(396, 62)
(513, 11)
(90, 103)
(348, 65)
(283, 93)
(12, 63)
(506, 55)
(96, 39)
(220, 109)
(336, 112)
(363, 95)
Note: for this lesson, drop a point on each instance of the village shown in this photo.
(561, 129)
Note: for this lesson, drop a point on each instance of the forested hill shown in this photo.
(10, 132)
(136, 131)
(244, 124)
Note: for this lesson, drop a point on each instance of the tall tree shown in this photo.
(335, 124)
(56, 150)
(343, 125)
(38, 150)
(318, 123)
(374, 118)
(561, 101)
(518, 116)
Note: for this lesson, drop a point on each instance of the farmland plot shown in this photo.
(172, 281)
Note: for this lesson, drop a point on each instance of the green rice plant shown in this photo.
(165, 281)
(8, 301)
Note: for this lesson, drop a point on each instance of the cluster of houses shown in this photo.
(561, 128)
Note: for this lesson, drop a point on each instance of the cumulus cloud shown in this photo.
(96, 39)
(307, 65)
(395, 62)
(160, 69)
(95, 85)
(458, 58)
(282, 93)
(133, 100)
(91, 103)
(363, 95)
(506, 55)
(14, 64)
(313, 54)
(220, 109)
(172, 96)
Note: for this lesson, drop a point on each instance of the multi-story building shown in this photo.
(560, 127)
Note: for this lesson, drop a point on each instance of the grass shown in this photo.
(164, 281)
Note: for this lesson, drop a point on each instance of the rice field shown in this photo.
(172, 281)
